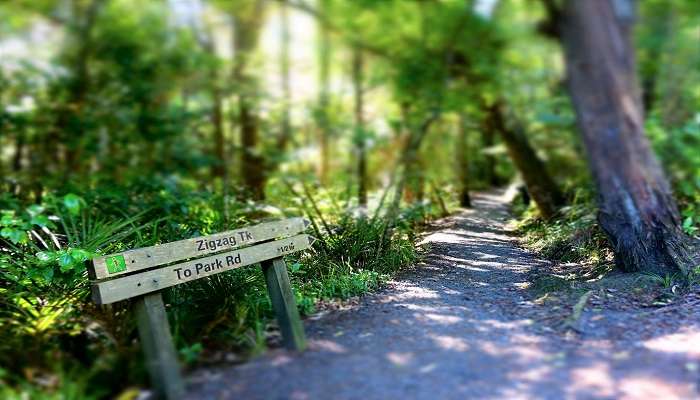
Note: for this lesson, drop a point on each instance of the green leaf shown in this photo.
(35, 210)
(73, 203)
(79, 255)
(45, 257)
(66, 262)
(40, 220)
(47, 274)
(16, 236)
(8, 218)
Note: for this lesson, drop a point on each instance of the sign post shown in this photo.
(144, 273)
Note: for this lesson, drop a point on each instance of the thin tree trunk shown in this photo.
(286, 124)
(71, 121)
(324, 53)
(20, 142)
(539, 183)
(357, 66)
(220, 167)
(487, 137)
(637, 210)
(462, 154)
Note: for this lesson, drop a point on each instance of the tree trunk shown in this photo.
(286, 124)
(637, 210)
(324, 54)
(71, 121)
(357, 65)
(20, 142)
(247, 23)
(539, 183)
(489, 160)
(462, 154)
(220, 167)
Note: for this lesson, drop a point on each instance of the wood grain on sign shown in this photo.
(135, 285)
(147, 257)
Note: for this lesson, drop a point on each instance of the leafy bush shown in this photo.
(678, 149)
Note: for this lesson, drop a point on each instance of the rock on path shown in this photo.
(459, 326)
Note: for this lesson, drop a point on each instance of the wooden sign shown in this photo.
(147, 257)
(112, 290)
(133, 274)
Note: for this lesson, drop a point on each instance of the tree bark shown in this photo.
(360, 144)
(220, 168)
(540, 184)
(489, 168)
(71, 121)
(247, 23)
(462, 154)
(637, 210)
(286, 124)
(324, 54)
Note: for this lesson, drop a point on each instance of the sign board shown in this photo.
(117, 289)
(138, 259)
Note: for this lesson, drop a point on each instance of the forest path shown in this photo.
(461, 325)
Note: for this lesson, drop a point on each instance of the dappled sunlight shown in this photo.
(440, 318)
(687, 341)
(412, 292)
(327, 345)
(280, 360)
(442, 237)
(450, 342)
(645, 386)
(594, 379)
(400, 359)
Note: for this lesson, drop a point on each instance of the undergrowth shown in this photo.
(71, 348)
(573, 236)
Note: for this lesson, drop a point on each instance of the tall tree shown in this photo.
(539, 182)
(462, 154)
(322, 117)
(285, 123)
(359, 137)
(248, 18)
(637, 210)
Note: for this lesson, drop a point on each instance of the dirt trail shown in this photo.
(462, 325)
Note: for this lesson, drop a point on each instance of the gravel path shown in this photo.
(462, 325)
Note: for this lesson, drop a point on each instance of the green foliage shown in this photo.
(574, 236)
(677, 148)
(47, 320)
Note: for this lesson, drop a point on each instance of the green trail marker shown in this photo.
(115, 264)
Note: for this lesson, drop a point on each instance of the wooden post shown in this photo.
(158, 348)
(282, 297)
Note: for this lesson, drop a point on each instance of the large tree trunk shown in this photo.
(540, 184)
(357, 65)
(247, 23)
(637, 210)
